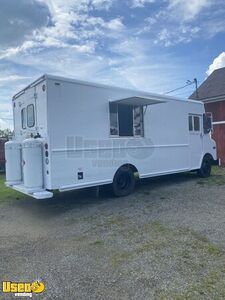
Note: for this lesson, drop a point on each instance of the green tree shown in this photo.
(6, 133)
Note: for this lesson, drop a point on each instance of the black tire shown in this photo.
(123, 182)
(206, 167)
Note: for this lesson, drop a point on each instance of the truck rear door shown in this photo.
(24, 109)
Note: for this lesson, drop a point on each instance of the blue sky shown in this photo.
(142, 44)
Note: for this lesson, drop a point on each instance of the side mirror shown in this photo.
(207, 123)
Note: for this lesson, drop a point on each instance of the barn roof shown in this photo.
(213, 86)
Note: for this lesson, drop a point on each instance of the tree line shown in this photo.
(6, 133)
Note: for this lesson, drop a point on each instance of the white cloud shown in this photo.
(180, 22)
(71, 26)
(115, 24)
(177, 34)
(12, 51)
(81, 5)
(102, 4)
(6, 116)
(5, 123)
(218, 62)
(214, 26)
(19, 18)
(188, 10)
(11, 78)
(141, 3)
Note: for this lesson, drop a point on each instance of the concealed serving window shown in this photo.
(194, 123)
(114, 128)
(126, 120)
(138, 121)
(23, 118)
(30, 115)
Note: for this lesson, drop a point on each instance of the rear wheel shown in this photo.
(123, 182)
(206, 167)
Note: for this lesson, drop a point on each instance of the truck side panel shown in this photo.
(82, 151)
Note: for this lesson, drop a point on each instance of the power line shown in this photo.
(182, 87)
(188, 83)
(184, 92)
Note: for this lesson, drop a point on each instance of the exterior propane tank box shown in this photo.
(13, 157)
(32, 164)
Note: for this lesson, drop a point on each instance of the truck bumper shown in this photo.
(35, 193)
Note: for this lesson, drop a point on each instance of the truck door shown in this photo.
(195, 140)
(27, 112)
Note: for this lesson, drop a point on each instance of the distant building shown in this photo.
(2, 153)
(212, 93)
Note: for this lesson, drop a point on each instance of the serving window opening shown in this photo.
(126, 120)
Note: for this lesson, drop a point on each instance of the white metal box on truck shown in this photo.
(32, 152)
(77, 134)
(13, 157)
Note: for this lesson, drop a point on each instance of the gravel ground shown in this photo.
(165, 241)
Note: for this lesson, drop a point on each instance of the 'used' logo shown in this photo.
(23, 288)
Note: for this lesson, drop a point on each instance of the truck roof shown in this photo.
(100, 85)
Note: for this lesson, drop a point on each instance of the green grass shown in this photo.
(213, 250)
(8, 193)
(98, 243)
(184, 253)
(121, 257)
(211, 287)
(217, 177)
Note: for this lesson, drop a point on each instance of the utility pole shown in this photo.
(196, 86)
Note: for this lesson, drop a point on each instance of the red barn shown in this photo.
(2, 153)
(212, 93)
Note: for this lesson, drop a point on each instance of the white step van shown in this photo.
(71, 134)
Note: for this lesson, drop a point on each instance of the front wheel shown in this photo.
(123, 182)
(206, 167)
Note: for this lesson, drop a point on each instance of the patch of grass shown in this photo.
(114, 220)
(121, 257)
(152, 246)
(136, 175)
(210, 287)
(156, 227)
(8, 193)
(213, 250)
(216, 170)
(71, 221)
(97, 243)
(217, 177)
(184, 252)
